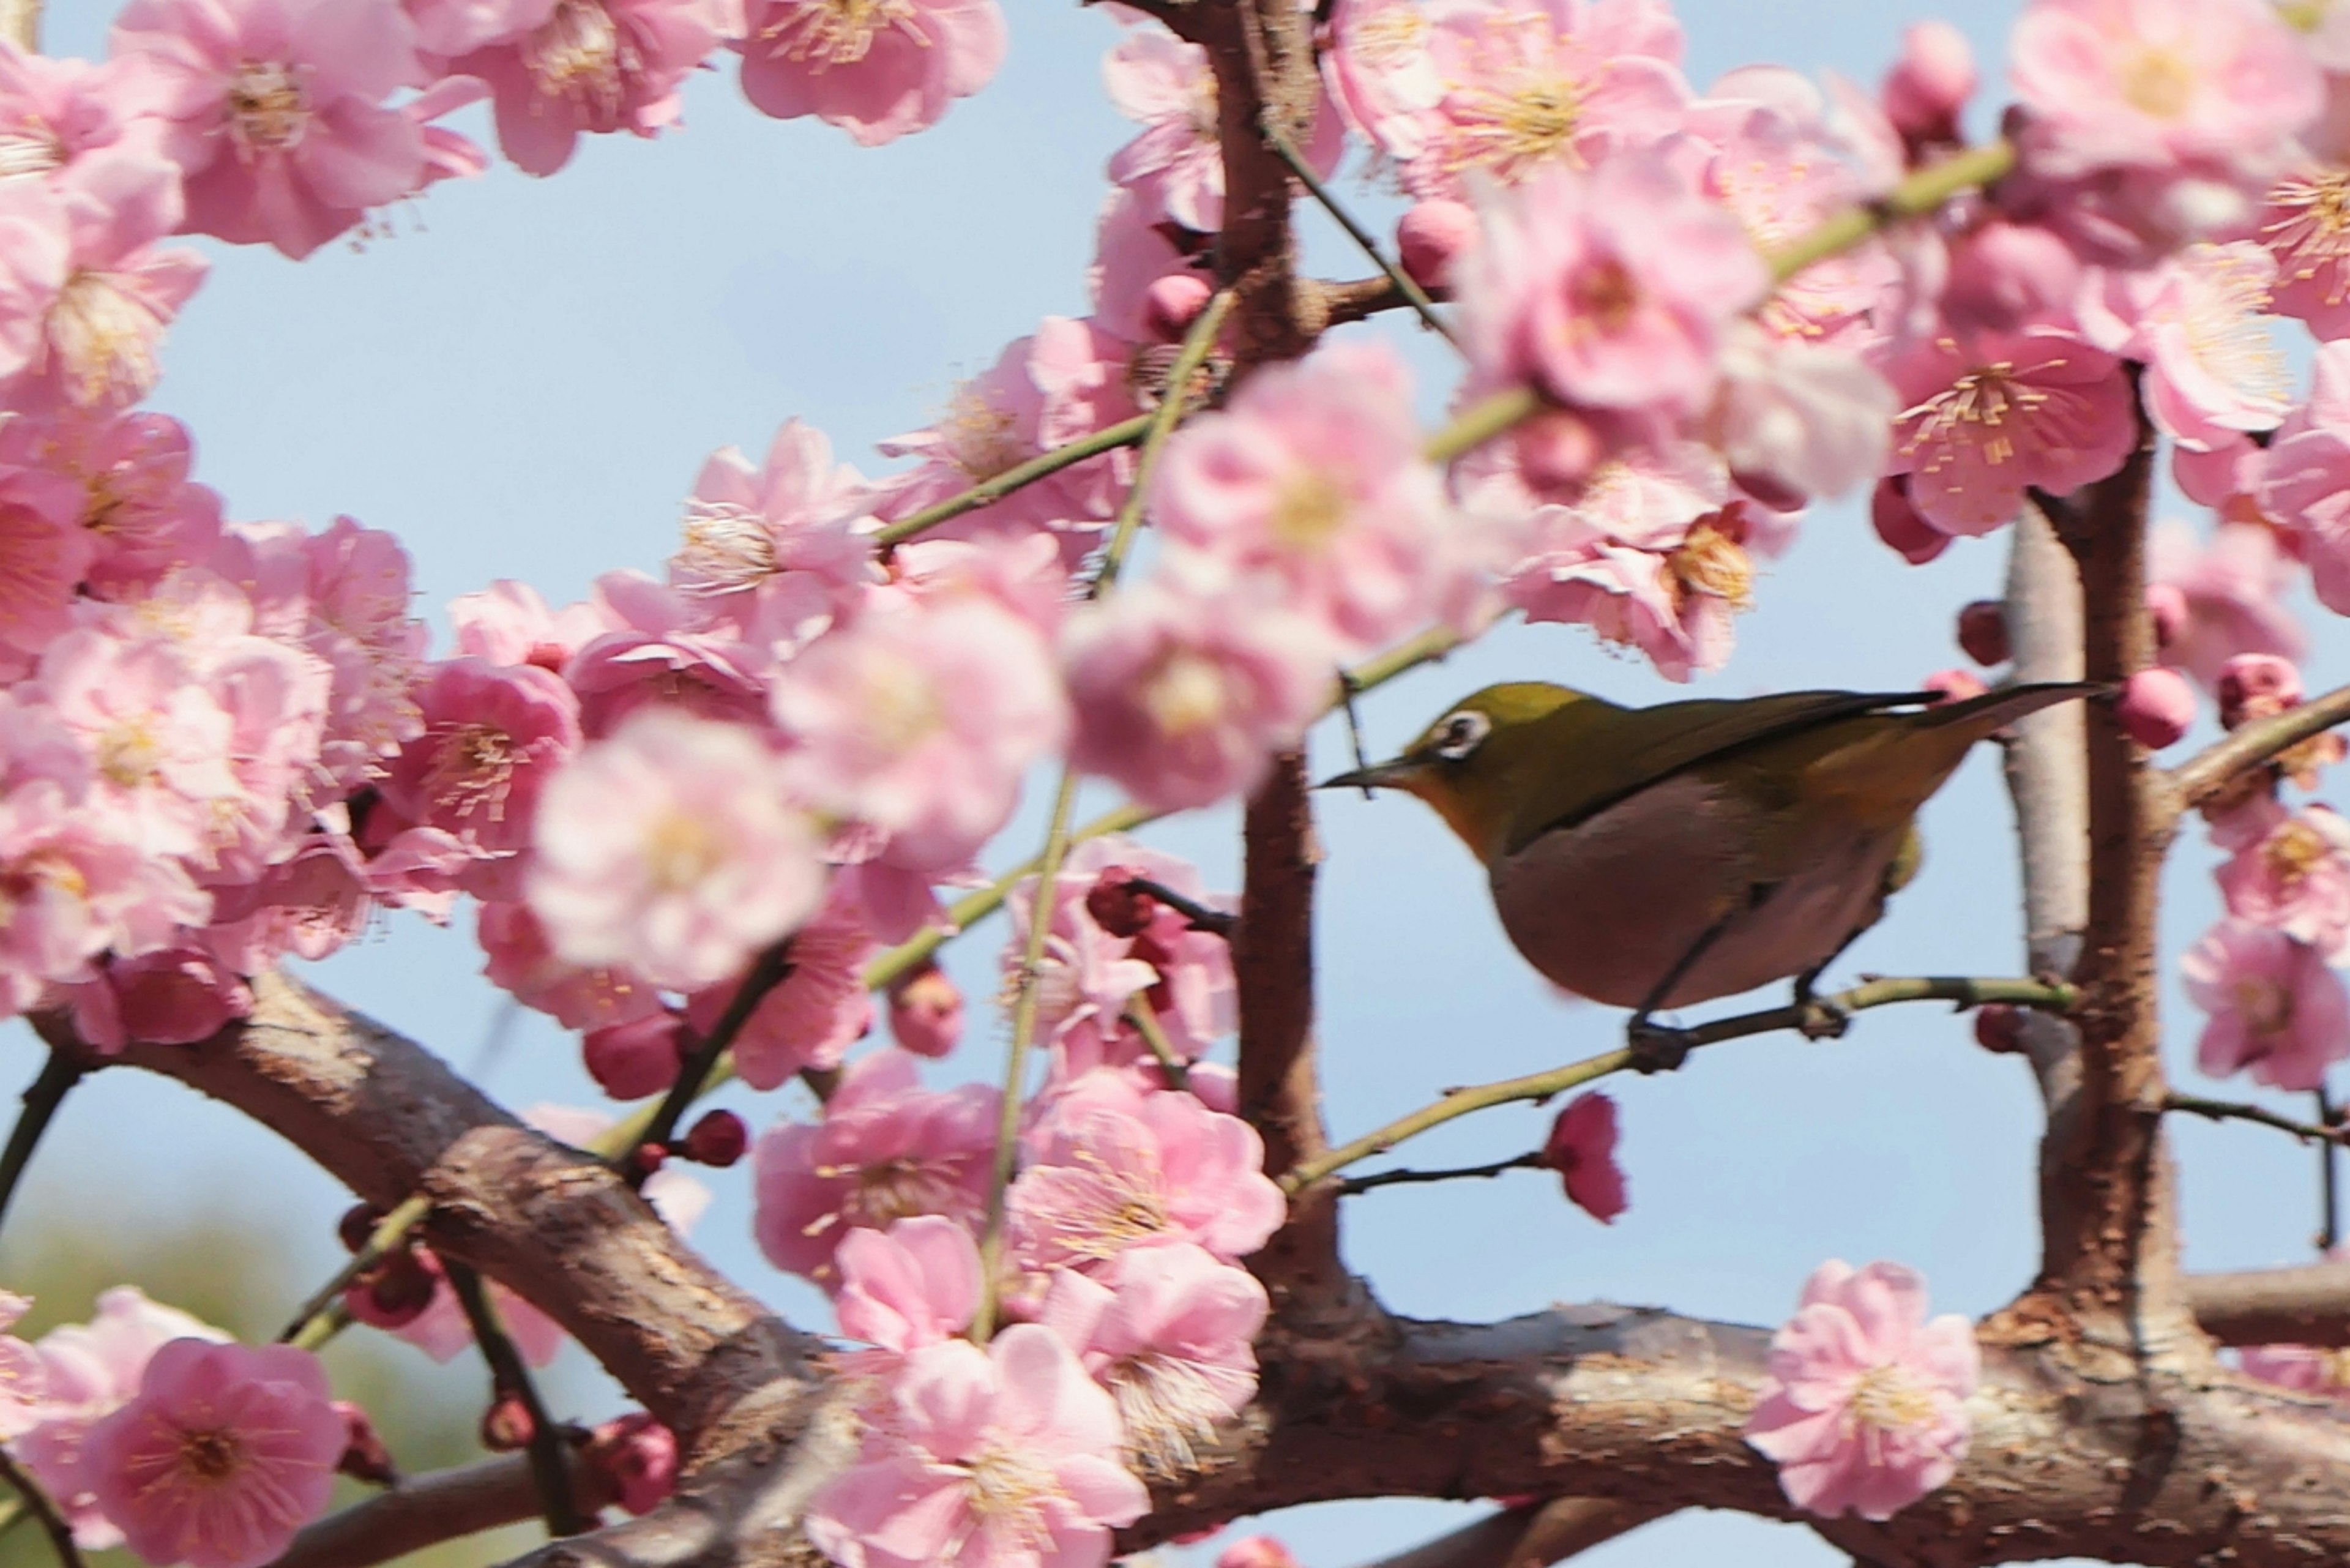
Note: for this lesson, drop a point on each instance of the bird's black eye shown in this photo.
(1461, 734)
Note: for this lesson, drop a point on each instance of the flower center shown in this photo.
(1007, 1493)
(1981, 409)
(838, 32)
(2227, 329)
(1509, 131)
(727, 548)
(902, 709)
(1308, 511)
(2293, 851)
(2266, 1005)
(130, 753)
(1186, 694)
(982, 439)
(1888, 1399)
(210, 1453)
(2311, 233)
(1167, 1409)
(2160, 83)
(1711, 561)
(580, 53)
(1606, 295)
(680, 851)
(267, 111)
(104, 339)
(31, 146)
(472, 770)
(897, 1189)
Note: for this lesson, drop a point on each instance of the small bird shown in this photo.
(1652, 857)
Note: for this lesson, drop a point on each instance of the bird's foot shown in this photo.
(1655, 1047)
(1818, 1018)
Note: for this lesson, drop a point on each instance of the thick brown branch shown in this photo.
(2307, 1305)
(386, 1118)
(2211, 770)
(425, 1511)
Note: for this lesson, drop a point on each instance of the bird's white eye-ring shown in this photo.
(1461, 734)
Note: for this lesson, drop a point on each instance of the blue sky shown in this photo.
(522, 380)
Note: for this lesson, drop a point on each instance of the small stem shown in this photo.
(1414, 295)
(1215, 922)
(509, 1377)
(1145, 1019)
(1918, 196)
(1485, 419)
(2329, 1191)
(46, 1092)
(2210, 771)
(1966, 992)
(2232, 1111)
(34, 1500)
(1197, 343)
(1531, 1160)
(768, 970)
(1016, 1065)
(309, 1328)
(1125, 432)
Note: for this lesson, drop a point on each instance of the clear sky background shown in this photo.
(522, 383)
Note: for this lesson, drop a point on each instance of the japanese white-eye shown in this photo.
(1652, 857)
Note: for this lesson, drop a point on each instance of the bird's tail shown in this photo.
(1995, 709)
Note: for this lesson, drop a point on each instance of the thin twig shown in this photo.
(987, 491)
(2329, 1191)
(511, 1378)
(1215, 922)
(309, 1328)
(41, 1506)
(1197, 344)
(1919, 195)
(2210, 771)
(2233, 1111)
(1531, 1160)
(1354, 727)
(1145, 1019)
(768, 970)
(1965, 992)
(1414, 295)
(46, 1092)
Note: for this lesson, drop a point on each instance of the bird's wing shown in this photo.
(1619, 753)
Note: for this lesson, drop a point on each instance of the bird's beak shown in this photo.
(1380, 775)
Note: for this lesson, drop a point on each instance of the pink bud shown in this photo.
(718, 1139)
(2004, 275)
(925, 1012)
(1900, 526)
(1557, 448)
(506, 1426)
(639, 1455)
(651, 1157)
(1115, 905)
(1930, 83)
(1256, 1552)
(1172, 302)
(632, 1060)
(365, 1457)
(2156, 706)
(1955, 685)
(1431, 237)
(2257, 686)
(1982, 632)
(395, 1293)
(2165, 605)
(1999, 1028)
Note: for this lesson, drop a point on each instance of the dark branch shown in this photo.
(425, 1511)
(550, 1471)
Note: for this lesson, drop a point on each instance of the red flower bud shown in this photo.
(719, 1138)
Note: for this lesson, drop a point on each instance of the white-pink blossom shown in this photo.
(878, 72)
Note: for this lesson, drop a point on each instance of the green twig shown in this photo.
(510, 1378)
(46, 1092)
(989, 490)
(1821, 1013)
(1197, 344)
(1919, 195)
(1145, 1019)
(1414, 295)
(313, 1325)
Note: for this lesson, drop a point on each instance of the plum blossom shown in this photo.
(913, 1285)
(654, 646)
(1929, 85)
(670, 846)
(24, 1378)
(878, 71)
(1114, 1167)
(133, 499)
(45, 554)
(492, 736)
(2230, 593)
(2295, 878)
(2198, 322)
(521, 960)
(1806, 416)
(593, 67)
(1168, 1330)
(275, 112)
(1534, 88)
(1612, 290)
(56, 113)
(780, 547)
(921, 721)
(925, 1012)
(1582, 1149)
(1865, 1407)
(1001, 1458)
(2305, 224)
(1381, 75)
(2275, 1008)
(886, 1149)
(2001, 413)
(225, 1452)
(1182, 701)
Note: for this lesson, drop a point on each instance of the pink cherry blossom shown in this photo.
(1582, 1149)
(2231, 589)
(656, 647)
(2275, 1008)
(135, 503)
(1308, 486)
(1432, 237)
(1114, 1167)
(1930, 83)
(2001, 413)
(1182, 701)
(1168, 1330)
(493, 737)
(23, 1378)
(782, 547)
(1865, 1407)
(175, 997)
(1133, 251)
(1379, 73)
(876, 72)
(1806, 416)
(2198, 322)
(922, 721)
(2004, 276)
(509, 623)
(819, 1010)
(593, 67)
(886, 1149)
(44, 554)
(522, 960)
(275, 112)
(1256, 1552)
(913, 1285)
(158, 741)
(2295, 878)
(1556, 83)
(1611, 290)
(2306, 226)
(56, 113)
(1001, 1458)
(225, 1453)
(670, 846)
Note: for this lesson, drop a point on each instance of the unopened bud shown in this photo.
(506, 1426)
(1929, 85)
(925, 1012)
(1900, 524)
(1431, 237)
(719, 1138)
(357, 1223)
(1115, 904)
(1172, 302)
(2156, 707)
(2166, 605)
(2257, 686)
(395, 1293)
(631, 1060)
(1982, 632)
(365, 1457)
(639, 1455)
(1999, 1028)
(1256, 1552)
(650, 1157)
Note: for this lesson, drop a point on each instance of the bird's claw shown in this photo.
(1656, 1048)
(1820, 1019)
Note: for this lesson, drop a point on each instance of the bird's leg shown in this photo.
(1656, 1048)
(1822, 1019)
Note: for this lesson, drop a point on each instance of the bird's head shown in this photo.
(1476, 764)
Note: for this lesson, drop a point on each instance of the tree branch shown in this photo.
(36, 1500)
(2305, 1305)
(425, 1511)
(510, 1378)
(2211, 770)
(2235, 1111)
